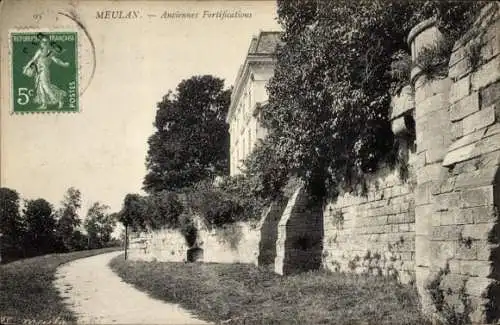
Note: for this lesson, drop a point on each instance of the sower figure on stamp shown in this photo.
(46, 92)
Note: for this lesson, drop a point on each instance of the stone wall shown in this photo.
(162, 245)
(373, 233)
(439, 226)
(269, 233)
(238, 243)
(458, 186)
(299, 239)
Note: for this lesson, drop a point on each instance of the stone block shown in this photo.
(445, 186)
(485, 214)
(457, 130)
(446, 201)
(464, 216)
(448, 217)
(441, 251)
(435, 154)
(464, 107)
(484, 145)
(422, 251)
(486, 74)
(479, 231)
(490, 49)
(434, 92)
(453, 282)
(423, 193)
(459, 89)
(458, 54)
(459, 69)
(451, 232)
(484, 249)
(403, 103)
(423, 219)
(467, 140)
(490, 95)
(479, 120)
(458, 155)
(478, 286)
(434, 172)
(396, 219)
(436, 220)
(466, 252)
(481, 177)
(481, 196)
(475, 268)
(404, 227)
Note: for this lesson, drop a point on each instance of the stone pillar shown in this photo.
(299, 240)
(432, 127)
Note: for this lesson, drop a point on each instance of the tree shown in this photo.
(99, 225)
(69, 219)
(40, 227)
(132, 214)
(329, 98)
(191, 138)
(133, 211)
(11, 226)
(163, 210)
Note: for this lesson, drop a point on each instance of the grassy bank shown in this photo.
(27, 291)
(243, 294)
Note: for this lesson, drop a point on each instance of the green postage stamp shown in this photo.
(44, 71)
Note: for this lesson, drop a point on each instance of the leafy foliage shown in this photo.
(163, 210)
(191, 138)
(133, 212)
(68, 218)
(433, 60)
(232, 199)
(41, 227)
(11, 225)
(453, 18)
(99, 225)
(400, 71)
(329, 98)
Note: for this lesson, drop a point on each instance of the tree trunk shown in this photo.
(126, 241)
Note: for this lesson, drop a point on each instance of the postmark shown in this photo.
(44, 67)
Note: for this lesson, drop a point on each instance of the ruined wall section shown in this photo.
(237, 243)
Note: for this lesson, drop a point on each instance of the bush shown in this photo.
(231, 200)
(163, 210)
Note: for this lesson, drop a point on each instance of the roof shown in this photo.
(262, 47)
(265, 43)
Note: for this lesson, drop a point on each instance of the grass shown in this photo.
(244, 294)
(27, 293)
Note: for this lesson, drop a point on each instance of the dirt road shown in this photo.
(98, 296)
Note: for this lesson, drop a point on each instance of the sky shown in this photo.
(101, 150)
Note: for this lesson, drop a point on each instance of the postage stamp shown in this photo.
(44, 71)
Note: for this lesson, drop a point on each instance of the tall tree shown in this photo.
(99, 225)
(10, 225)
(191, 138)
(40, 227)
(69, 219)
(133, 212)
(163, 210)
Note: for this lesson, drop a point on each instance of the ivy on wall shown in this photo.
(329, 98)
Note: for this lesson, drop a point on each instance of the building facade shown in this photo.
(249, 95)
